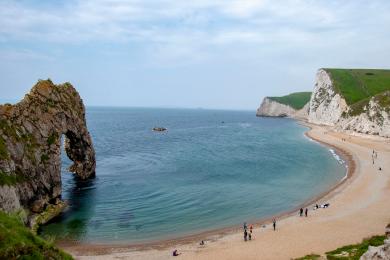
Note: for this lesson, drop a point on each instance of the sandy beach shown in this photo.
(359, 208)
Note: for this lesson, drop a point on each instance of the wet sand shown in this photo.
(359, 208)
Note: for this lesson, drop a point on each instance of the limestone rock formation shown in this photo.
(325, 106)
(272, 108)
(30, 144)
(328, 107)
(379, 252)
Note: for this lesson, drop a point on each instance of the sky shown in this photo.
(223, 54)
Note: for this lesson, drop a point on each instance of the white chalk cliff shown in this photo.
(327, 107)
(272, 108)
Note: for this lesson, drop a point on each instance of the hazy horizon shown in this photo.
(174, 54)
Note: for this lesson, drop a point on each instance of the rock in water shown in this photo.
(30, 144)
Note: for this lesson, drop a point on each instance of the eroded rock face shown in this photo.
(271, 108)
(327, 107)
(30, 144)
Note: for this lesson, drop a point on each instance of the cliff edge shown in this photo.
(293, 105)
(352, 100)
(30, 147)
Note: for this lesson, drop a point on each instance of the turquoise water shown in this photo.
(211, 169)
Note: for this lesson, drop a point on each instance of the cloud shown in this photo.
(119, 20)
(191, 29)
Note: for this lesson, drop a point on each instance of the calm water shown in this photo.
(211, 169)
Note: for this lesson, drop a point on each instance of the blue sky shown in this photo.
(210, 54)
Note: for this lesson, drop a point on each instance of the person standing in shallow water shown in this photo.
(306, 212)
(274, 224)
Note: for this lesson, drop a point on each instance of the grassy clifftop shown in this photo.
(295, 100)
(17, 242)
(358, 86)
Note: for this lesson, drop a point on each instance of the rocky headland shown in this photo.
(349, 100)
(295, 105)
(30, 146)
(336, 101)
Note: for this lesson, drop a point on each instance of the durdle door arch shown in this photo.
(30, 147)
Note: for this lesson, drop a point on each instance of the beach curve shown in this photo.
(294, 237)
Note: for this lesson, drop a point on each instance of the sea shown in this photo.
(211, 169)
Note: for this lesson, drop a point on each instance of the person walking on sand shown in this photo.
(245, 235)
(250, 235)
(306, 212)
(274, 224)
(301, 212)
(251, 228)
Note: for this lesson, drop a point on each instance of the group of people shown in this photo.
(301, 212)
(248, 235)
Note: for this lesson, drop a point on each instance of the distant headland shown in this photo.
(350, 100)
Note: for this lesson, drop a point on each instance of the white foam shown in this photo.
(336, 156)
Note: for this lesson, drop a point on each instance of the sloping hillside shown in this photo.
(295, 100)
(356, 100)
(358, 86)
(17, 242)
(293, 105)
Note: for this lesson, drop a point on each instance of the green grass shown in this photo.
(295, 100)
(3, 150)
(44, 158)
(309, 257)
(10, 180)
(17, 242)
(52, 139)
(352, 252)
(357, 86)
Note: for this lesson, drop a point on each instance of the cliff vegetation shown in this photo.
(17, 242)
(358, 86)
(295, 100)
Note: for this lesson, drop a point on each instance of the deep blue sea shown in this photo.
(211, 169)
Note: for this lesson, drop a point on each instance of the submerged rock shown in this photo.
(30, 144)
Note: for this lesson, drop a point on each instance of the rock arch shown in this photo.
(30, 148)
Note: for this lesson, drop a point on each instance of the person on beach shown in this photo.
(201, 243)
(306, 212)
(251, 228)
(274, 224)
(175, 253)
(245, 235)
(301, 212)
(245, 226)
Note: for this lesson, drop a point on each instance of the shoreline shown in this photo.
(96, 249)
